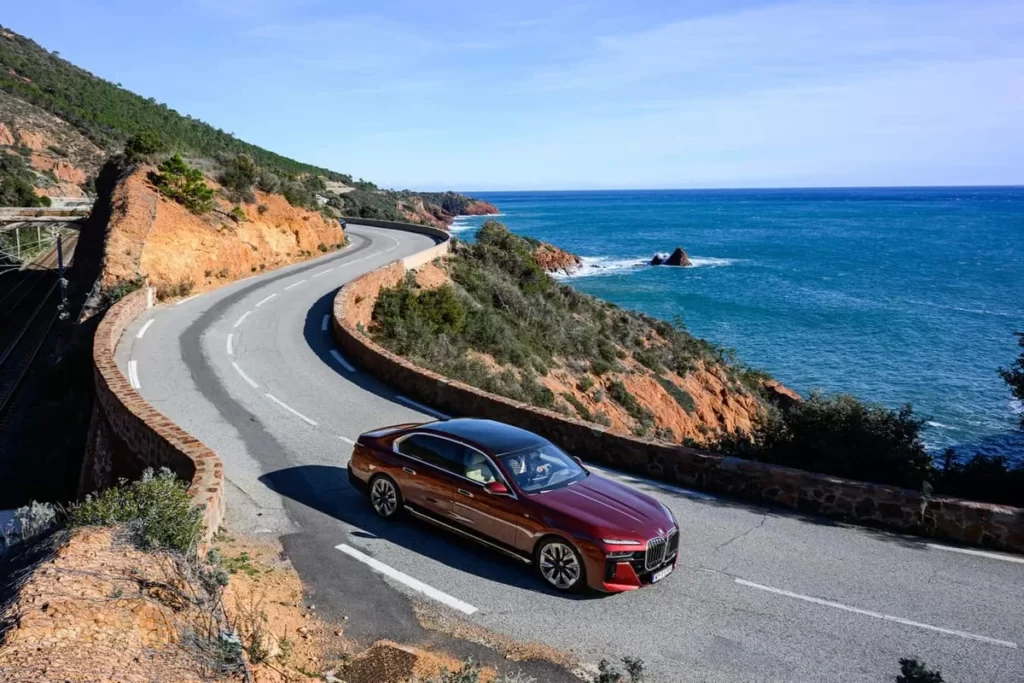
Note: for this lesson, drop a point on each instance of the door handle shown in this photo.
(465, 493)
(409, 470)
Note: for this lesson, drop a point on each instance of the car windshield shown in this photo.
(541, 468)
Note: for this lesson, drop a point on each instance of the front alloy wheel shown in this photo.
(385, 498)
(560, 565)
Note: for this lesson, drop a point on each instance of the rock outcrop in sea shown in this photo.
(554, 260)
(676, 258)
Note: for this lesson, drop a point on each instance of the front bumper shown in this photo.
(628, 569)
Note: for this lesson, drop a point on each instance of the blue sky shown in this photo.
(549, 95)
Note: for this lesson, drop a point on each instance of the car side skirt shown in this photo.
(455, 528)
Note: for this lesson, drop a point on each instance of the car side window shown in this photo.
(478, 468)
(441, 453)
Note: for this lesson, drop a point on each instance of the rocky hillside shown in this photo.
(490, 315)
(59, 122)
(154, 239)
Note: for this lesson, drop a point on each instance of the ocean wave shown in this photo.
(603, 265)
(460, 225)
(939, 425)
(711, 261)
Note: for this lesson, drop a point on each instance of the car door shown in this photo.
(492, 516)
(429, 473)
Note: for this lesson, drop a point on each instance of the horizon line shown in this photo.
(747, 189)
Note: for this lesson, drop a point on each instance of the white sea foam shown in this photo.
(460, 224)
(939, 425)
(711, 261)
(603, 265)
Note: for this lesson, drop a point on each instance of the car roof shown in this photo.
(496, 437)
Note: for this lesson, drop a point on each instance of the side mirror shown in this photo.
(496, 488)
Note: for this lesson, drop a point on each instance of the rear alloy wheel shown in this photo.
(385, 497)
(560, 565)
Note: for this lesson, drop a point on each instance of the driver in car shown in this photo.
(526, 468)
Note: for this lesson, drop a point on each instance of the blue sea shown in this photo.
(893, 295)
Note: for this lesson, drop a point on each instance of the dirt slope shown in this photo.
(159, 240)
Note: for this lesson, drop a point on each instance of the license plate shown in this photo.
(661, 574)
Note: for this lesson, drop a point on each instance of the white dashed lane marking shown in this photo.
(186, 299)
(242, 319)
(291, 410)
(322, 272)
(347, 440)
(415, 584)
(341, 359)
(265, 300)
(133, 374)
(296, 284)
(419, 406)
(244, 376)
(878, 615)
(231, 336)
(145, 327)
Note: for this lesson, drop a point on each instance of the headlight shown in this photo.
(619, 541)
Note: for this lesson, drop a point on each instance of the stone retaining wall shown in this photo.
(127, 435)
(994, 526)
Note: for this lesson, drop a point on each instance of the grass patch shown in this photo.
(682, 396)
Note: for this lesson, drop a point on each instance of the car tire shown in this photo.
(560, 565)
(385, 497)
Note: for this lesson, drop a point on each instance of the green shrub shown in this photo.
(183, 287)
(142, 146)
(621, 395)
(156, 507)
(581, 409)
(238, 214)
(121, 289)
(992, 478)
(16, 182)
(1014, 375)
(184, 184)
(239, 176)
(682, 396)
(838, 435)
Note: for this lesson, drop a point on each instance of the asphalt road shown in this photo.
(759, 594)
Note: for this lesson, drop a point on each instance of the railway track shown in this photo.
(29, 301)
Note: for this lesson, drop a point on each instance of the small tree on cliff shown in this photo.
(184, 184)
(1014, 375)
(142, 146)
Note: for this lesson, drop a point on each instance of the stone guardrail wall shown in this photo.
(994, 526)
(127, 435)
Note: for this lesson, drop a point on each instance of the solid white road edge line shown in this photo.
(978, 553)
(419, 406)
(133, 374)
(189, 298)
(415, 584)
(145, 327)
(231, 336)
(699, 495)
(242, 319)
(347, 440)
(341, 359)
(296, 284)
(246, 377)
(878, 615)
(291, 410)
(323, 325)
(263, 301)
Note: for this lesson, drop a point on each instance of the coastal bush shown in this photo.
(838, 435)
(913, 671)
(1014, 376)
(156, 507)
(184, 184)
(16, 180)
(681, 396)
(991, 478)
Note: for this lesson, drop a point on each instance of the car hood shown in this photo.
(610, 508)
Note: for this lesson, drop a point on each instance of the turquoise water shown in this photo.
(893, 295)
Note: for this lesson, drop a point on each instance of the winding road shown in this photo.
(759, 594)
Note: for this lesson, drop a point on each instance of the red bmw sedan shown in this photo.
(518, 493)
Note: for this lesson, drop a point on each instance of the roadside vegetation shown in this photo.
(502, 305)
(16, 182)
